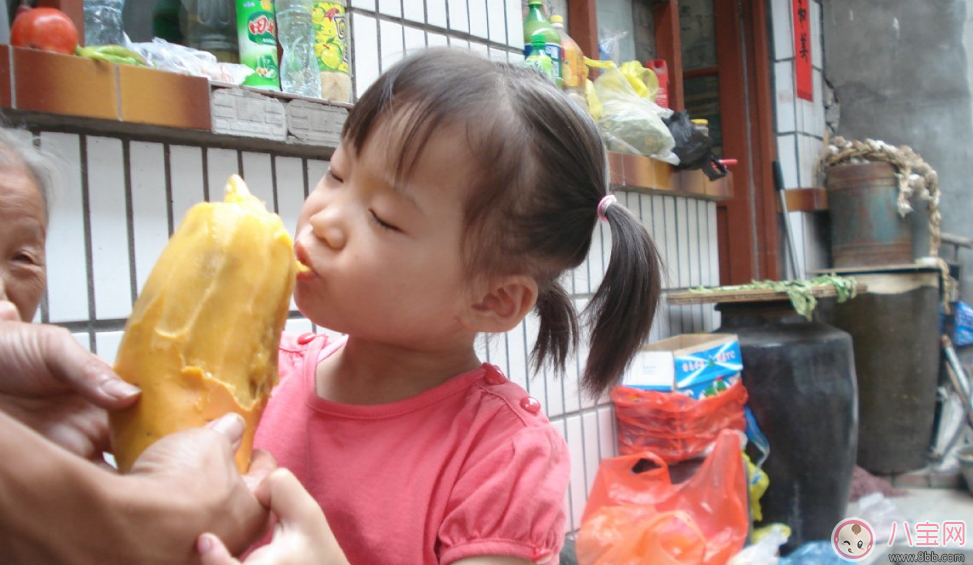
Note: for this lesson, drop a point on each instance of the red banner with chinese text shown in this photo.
(802, 50)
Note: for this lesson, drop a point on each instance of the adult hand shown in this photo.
(195, 478)
(38, 360)
(53, 385)
(301, 536)
(183, 485)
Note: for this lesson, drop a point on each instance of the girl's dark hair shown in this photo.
(533, 206)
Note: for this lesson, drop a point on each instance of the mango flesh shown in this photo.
(203, 335)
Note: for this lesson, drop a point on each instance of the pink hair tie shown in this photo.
(603, 206)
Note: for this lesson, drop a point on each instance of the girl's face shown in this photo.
(23, 230)
(387, 261)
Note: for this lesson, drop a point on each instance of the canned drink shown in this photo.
(257, 34)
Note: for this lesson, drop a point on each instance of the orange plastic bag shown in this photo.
(644, 518)
(674, 426)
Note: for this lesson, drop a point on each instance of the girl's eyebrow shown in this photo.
(405, 195)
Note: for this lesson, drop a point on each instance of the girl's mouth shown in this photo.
(304, 271)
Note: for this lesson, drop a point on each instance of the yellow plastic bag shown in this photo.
(757, 482)
(643, 80)
(630, 123)
(594, 104)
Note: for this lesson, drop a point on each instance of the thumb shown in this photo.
(261, 465)
(230, 425)
(212, 551)
(287, 499)
(43, 360)
(8, 312)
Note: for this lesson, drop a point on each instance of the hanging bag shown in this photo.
(642, 517)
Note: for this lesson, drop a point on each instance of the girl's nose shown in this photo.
(328, 226)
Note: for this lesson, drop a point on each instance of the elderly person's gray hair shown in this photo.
(17, 148)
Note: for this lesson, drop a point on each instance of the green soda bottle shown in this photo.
(539, 58)
(536, 22)
(257, 34)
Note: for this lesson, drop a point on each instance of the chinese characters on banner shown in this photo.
(802, 50)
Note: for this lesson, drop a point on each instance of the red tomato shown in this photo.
(47, 29)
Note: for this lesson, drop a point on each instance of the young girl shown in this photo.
(460, 193)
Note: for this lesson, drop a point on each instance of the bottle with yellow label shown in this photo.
(331, 49)
(573, 70)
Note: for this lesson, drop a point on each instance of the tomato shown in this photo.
(47, 29)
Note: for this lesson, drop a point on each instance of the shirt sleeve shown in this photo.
(290, 356)
(510, 501)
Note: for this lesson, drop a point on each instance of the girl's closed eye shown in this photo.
(333, 175)
(383, 224)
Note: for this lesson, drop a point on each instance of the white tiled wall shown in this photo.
(119, 199)
(383, 31)
(800, 128)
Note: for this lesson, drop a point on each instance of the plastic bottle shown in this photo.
(331, 49)
(573, 70)
(536, 22)
(212, 28)
(298, 66)
(661, 70)
(103, 22)
(701, 125)
(165, 20)
(539, 58)
(257, 37)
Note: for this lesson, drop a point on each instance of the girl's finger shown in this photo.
(212, 551)
(287, 499)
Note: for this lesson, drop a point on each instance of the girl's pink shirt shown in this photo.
(472, 467)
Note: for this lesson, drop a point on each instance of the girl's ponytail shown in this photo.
(621, 312)
(558, 332)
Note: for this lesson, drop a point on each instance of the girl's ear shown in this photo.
(504, 304)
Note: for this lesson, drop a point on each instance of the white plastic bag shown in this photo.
(764, 552)
(161, 54)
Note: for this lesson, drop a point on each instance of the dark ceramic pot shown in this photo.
(800, 377)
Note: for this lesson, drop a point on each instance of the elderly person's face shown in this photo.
(23, 230)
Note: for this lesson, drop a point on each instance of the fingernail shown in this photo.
(119, 389)
(204, 544)
(231, 425)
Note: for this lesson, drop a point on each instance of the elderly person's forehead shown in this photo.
(18, 187)
(18, 154)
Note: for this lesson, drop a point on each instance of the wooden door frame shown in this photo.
(747, 225)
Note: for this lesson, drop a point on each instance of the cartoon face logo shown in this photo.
(852, 539)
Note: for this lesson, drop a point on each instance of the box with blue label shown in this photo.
(696, 365)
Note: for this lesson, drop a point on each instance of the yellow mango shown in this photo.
(203, 335)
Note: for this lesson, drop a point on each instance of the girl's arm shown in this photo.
(58, 508)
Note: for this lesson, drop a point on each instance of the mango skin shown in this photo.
(203, 336)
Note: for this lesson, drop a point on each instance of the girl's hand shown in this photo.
(301, 534)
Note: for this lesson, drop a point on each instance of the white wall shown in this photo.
(119, 198)
(800, 129)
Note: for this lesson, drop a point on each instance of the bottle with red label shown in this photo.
(661, 70)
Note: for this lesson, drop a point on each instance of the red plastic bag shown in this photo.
(642, 517)
(674, 426)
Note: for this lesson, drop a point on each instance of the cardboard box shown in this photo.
(689, 364)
